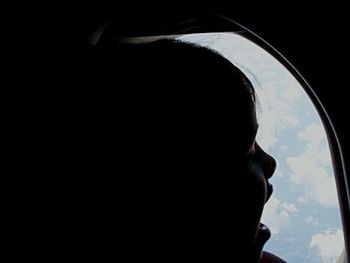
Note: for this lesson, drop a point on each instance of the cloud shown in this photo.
(311, 168)
(313, 133)
(293, 91)
(325, 192)
(329, 244)
(289, 207)
(277, 214)
(273, 118)
(317, 145)
(277, 99)
(278, 172)
(302, 200)
(311, 220)
(267, 136)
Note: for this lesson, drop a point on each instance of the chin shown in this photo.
(263, 235)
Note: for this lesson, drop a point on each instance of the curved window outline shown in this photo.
(333, 141)
(219, 24)
(209, 40)
(211, 22)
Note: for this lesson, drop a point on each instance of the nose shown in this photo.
(270, 166)
(269, 163)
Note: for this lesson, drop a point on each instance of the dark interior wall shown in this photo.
(313, 38)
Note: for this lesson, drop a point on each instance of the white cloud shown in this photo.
(276, 110)
(311, 168)
(272, 121)
(291, 208)
(325, 192)
(311, 220)
(329, 244)
(302, 200)
(284, 147)
(318, 184)
(275, 215)
(278, 172)
(313, 133)
(293, 90)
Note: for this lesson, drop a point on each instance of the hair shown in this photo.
(172, 78)
(180, 59)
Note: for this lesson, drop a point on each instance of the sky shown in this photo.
(303, 212)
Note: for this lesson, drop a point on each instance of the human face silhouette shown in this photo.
(260, 167)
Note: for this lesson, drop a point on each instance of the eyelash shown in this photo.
(252, 156)
(253, 153)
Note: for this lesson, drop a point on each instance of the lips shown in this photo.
(264, 233)
(269, 191)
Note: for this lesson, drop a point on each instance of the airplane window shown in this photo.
(303, 213)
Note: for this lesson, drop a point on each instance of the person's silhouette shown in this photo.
(169, 138)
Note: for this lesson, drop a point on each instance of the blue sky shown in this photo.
(303, 213)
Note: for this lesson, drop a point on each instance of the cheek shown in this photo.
(257, 184)
(256, 195)
(251, 203)
(254, 199)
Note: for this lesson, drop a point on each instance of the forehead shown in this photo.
(247, 127)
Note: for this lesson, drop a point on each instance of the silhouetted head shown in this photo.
(173, 129)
